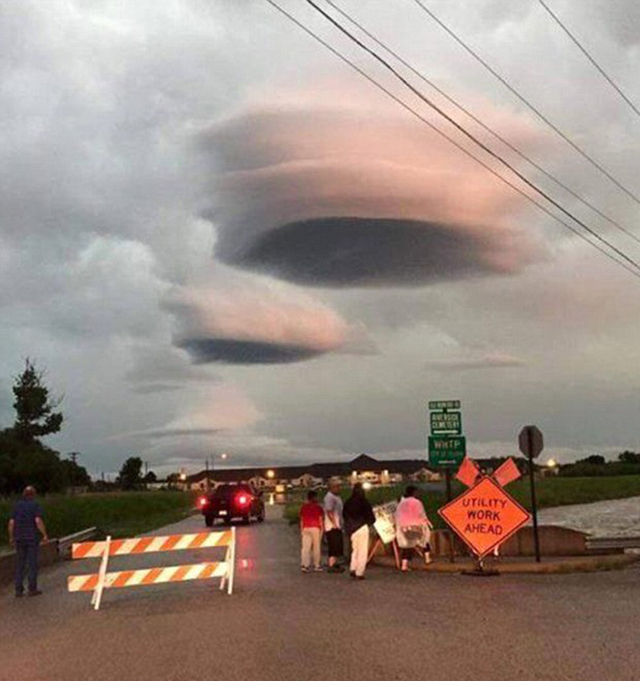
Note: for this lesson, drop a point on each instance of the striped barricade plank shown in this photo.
(157, 575)
(103, 579)
(172, 542)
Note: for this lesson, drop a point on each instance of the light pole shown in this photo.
(223, 456)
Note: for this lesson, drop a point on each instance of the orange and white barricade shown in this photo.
(101, 580)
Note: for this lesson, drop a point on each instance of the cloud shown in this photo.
(163, 368)
(209, 411)
(245, 320)
(331, 196)
(487, 361)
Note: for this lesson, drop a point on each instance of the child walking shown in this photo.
(311, 523)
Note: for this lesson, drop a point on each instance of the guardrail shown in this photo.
(65, 543)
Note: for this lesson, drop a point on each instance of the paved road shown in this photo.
(283, 625)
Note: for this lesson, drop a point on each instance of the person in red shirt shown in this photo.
(311, 524)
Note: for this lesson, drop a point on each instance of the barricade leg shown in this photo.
(232, 561)
(102, 574)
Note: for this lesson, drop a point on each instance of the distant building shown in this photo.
(363, 468)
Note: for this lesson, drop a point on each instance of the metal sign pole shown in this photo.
(534, 505)
(452, 555)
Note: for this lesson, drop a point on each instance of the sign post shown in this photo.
(447, 446)
(531, 444)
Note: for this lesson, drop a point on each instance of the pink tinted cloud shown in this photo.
(305, 165)
(250, 320)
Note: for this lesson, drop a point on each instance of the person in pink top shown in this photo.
(413, 528)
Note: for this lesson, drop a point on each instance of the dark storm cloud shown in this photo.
(350, 251)
(338, 197)
(232, 351)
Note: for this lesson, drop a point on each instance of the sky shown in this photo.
(217, 238)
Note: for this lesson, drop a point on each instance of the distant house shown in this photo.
(363, 468)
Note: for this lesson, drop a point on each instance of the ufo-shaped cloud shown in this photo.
(330, 197)
(257, 321)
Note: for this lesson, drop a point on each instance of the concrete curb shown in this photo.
(564, 565)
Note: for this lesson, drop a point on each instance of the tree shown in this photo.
(172, 480)
(35, 415)
(76, 475)
(150, 477)
(595, 459)
(130, 476)
(629, 457)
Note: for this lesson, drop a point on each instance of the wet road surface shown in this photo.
(283, 625)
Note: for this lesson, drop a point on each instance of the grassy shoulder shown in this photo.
(121, 514)
(556, 491)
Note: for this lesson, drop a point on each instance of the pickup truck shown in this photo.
(232, 501)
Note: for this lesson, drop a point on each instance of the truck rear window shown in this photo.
(229, 490)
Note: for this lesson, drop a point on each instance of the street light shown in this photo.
(223, 456)
(551, 463)
(271, 474)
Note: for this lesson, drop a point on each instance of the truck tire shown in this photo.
(261, 516)
(208, 520)
(246, 519)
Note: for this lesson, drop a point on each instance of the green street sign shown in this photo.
(445, 404)
(447, 450)
(446, 422)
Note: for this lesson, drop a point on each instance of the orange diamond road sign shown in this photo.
(484, 516)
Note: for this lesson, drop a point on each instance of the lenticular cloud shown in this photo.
(251, 321)
(331, 197)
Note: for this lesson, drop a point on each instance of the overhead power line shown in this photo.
(497, 135)
(528, 104)
(582, 49)
(467, 134)
(424, 120)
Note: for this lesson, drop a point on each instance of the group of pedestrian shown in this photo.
(354, 517)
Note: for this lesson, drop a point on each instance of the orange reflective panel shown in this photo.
(484, 516)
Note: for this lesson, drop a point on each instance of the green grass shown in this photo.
(121, 514)
(560, 491)
(556, 491)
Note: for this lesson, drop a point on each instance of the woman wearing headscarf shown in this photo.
(358, 515)
(413, 528)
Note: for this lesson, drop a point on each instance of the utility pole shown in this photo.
(206, 468)
(74, 457)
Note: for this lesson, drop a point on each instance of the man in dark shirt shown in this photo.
(25, 529)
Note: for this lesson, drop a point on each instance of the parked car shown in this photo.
(232, 501)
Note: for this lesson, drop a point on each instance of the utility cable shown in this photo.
(497, 135)
(467, 134)
(582, 49)
(528, 104)
(424, 120)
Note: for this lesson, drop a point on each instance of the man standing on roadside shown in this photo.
(25, 529)
(333, 526)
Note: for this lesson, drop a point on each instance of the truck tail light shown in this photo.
(202, 501)
(243, 500)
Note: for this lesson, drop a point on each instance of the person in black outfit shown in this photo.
(358, 515)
